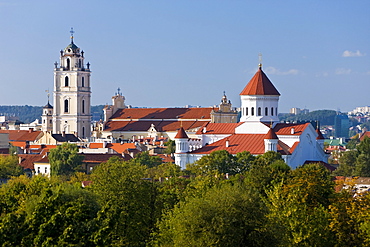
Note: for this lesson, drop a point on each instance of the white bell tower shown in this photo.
(72, 93)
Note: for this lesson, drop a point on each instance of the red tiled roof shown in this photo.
(362, 137)
(21, 144)
(286, 128)
(254, 143)
(22, 135)
(181, 134)
(294, 147)
(96, 145)
(166, 158)
(260, 84)
(271, 135)
(160, 126)
(120, 148)
(218, 128)
(27, 160)
(163, 113)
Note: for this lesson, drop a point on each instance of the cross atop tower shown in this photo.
(260, 59)
(72, 32)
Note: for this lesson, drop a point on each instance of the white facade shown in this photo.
(72, 93)
(259, 108)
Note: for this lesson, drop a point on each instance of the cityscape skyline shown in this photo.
(172, 54)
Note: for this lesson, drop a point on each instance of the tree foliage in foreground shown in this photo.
(131, 204)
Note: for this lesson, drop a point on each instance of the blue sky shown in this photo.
(177, 53)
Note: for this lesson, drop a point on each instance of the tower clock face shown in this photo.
(69, 50)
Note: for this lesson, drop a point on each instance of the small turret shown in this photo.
(271, 141)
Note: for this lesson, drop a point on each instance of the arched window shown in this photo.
(66, 81)
(272, 111)
(83, 106)
(252, 111)
(68, 64)
(83, 82)
(246, 111)
(259, 111)
(66, 108)
(266, 111)
(79, 63)
(83, 132)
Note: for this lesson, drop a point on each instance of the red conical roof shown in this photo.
(181, 134)
(271, 135)
(260, 84)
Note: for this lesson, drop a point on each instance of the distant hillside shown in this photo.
(325, 117)
(28, 114)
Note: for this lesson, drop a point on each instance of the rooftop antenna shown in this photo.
(72, 32)
(260, 60)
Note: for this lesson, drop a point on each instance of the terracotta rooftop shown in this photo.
(290, 128)
(362, 137)
(254, 143)
(271, 135)
(181, 134)
(163, 113)
(27, 160)
(260, 84)
(120, 148)
(218, 128)
(22, 135)
(160, 126)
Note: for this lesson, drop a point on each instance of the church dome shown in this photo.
(48, 106)
(72, 48)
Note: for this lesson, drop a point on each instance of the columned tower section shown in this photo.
(72, 93)
(259, 100)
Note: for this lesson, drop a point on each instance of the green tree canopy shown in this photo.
(9, 166)
(64, 159)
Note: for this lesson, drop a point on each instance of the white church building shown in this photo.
(72, 95)
(258, 131)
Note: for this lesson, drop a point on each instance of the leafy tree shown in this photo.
(170, 147)
(298, 207)
(46, 212)
(144, 158)
(9, 166)
(64, 159)
(347, 163)
(221, 162)
(228, 215)
(128, 204)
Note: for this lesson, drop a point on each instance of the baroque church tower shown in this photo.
(72, 93)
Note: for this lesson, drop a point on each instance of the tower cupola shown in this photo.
(259, 99)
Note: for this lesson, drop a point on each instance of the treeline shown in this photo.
(325, 117)
(222, 200)
(28, 114)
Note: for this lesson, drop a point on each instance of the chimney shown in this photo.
(204, 130)
(63, 134)
(227, 143)
(292, 131)
(30, 130)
